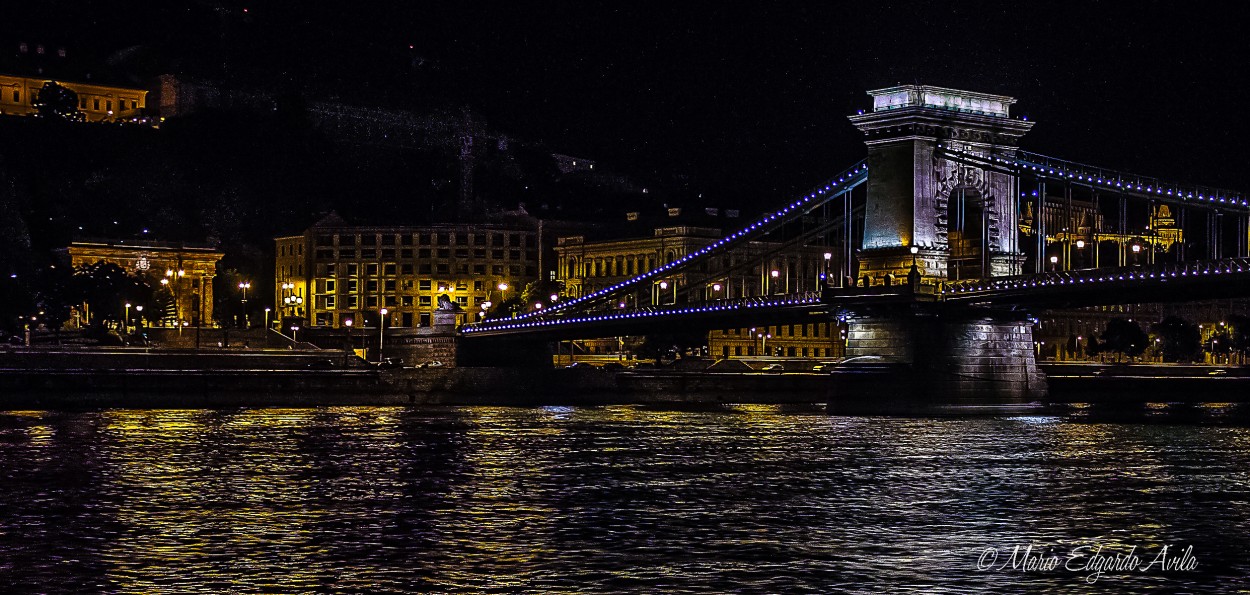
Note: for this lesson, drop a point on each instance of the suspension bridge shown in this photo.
(936, 248)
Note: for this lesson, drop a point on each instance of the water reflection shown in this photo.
(736, 498)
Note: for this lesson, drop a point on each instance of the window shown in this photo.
(425, 319)
(423, 253)
(405, 269)
(388, 254)
(462, 253)
(514, 240)
(330, 270)
(325, 240)
(353, 269)
(444, 253)
(369, 253)
(462, 239)
(353, 302)
(347, 253)
(371, 269)
(368, 240)
(479, 269)
(95, 104)
(406, 253)
(479, 239)
(388, 240)
(347, 240)
(423, 300)
(329, 285)
(352, 286)
(390, 285)
(371, 286)
(496, 270)
(17, 97)
(479, 253)
(444, 269)
(405, 301)
(329, 302)
(389, 270)
(462, 300)
(477, 286)
(423, 285)
(109, 105)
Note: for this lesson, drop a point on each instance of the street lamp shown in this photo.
(127, 321)
(267, 310)
(139, 310)
(347, 344)
(1054, 260)
(294, 330)
(381, 328)
(773, 287)
(245, 285)
(554, 297)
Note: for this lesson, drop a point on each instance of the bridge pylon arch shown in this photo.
(917, 198)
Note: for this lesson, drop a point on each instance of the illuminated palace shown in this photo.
(335, 272)
(97, 100)
(585, 267)
(181, 273)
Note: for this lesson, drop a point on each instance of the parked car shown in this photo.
(774, 369)
(613, 366)
(390, 362)
(320, 364)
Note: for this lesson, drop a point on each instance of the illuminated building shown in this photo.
(184, 272)
(24, 73)
(335, 272)
(586, 267)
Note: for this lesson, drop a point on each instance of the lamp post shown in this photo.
(828, 259)
(381, 329)
(126, 323)
(139, 315)
(267, 310)
(347, 343)
(1054, 261)
(1080, 247)
(294, 330)
(1136, 250)
(773, 284)
(245, 285)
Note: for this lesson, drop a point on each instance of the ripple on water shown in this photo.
(742, 499)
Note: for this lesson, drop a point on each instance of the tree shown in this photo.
(1239, 333)
(1124, 336)
(106, 289)
(1179, 339)
(55, 101)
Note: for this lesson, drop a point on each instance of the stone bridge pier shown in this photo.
(925, 353)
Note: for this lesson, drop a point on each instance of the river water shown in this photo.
(744, 499)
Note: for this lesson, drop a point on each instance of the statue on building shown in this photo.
(446, 305)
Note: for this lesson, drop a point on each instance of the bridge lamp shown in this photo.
(554, 297)
(663, 284)
(1080, 243)
(622, 304)
(1136, 248)
(538, 305)
(914, 251)
(716, 287)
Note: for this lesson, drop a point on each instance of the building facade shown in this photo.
(181, 274)
(96, 102)
(335, 272)
(585, 267)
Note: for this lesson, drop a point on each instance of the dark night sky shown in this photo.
(751, 101)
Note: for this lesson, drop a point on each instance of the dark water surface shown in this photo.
(758, 499)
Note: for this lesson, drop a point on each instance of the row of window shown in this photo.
(780, 351)
(421, 253)
(791, 330)
(355, 302)
(352, 269)
(498, 240)
(108, 104)
(325, 286)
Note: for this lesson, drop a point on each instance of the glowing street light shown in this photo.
(245, 285)
(381, 330)
(127, 321)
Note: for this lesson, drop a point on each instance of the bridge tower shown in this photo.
(962, 219)
(963, 223)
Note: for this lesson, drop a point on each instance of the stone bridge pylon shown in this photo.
(961, 219)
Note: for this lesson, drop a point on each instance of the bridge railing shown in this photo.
(1043, 280)
(1101, 178)
(806, 298)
